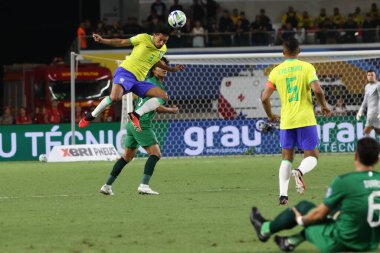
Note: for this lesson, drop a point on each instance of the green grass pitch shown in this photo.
(203, 207)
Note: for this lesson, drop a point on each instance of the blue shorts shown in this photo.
(305, 138)
(130, 83)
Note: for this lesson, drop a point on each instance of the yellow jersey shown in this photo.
(292, 80)
(143, 57)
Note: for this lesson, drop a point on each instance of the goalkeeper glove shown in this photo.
(359, 115)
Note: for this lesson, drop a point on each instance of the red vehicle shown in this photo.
(36, 86)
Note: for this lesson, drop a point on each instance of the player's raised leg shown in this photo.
(307, 140)
(285, 220)
(116, 95)
(157, 98)
(154, 156)
(129, 153)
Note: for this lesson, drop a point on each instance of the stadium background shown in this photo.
(25, 29)
(204, 203)
(45, 33)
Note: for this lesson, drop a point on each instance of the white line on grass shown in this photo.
(47, 196)
(88, 195)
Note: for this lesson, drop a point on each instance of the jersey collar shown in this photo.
(291, 59)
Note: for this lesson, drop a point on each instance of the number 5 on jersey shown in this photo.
(292, 89)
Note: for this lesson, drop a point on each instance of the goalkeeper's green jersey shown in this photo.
(357, 196)
(146, 119)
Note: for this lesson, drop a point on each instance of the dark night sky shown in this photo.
(37, 31)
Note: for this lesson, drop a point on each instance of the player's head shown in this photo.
(371, 76)
(159, 72)
(291, 48)
(160, 36)
(367, 151)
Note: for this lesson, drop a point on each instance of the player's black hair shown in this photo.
(371, 71)
(368, 151)
(292, 46)
(164, 59)
(165, 30)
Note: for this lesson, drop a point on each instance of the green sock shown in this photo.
(119, 165)
(296, 239)
(265, 228)
(149, 168)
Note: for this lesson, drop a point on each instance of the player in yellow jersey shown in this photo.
(294, 79)
(130, 75)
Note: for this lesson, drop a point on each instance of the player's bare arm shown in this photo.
(320, 95)
(165, 109)
(112, 42)
(174, 69)
(317, 215)
(265, 100)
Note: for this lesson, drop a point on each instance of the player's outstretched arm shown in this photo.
(112, 42)
(164, 109)
(176, 68)
(265, 100)
(320, 95)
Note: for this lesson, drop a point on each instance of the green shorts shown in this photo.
(145, 138)
(323, 237)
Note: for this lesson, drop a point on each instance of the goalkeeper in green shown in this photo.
(145, 138)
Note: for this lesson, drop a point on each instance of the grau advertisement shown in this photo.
(177, 138)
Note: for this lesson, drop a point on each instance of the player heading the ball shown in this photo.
(130, 75)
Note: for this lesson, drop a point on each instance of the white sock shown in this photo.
(150, 105)
(284, 176)
(308, 164)
(101, 106)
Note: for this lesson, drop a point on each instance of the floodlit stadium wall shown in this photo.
(220, 109)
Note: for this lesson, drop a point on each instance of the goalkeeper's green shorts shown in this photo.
(145, 138)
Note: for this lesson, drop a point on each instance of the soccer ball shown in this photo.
(177, 19)
(42, 158)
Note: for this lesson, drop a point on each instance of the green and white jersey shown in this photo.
(146, 119)
(357, 196)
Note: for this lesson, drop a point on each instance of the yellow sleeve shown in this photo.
(163, 52)
(312, 74)
(135, 40)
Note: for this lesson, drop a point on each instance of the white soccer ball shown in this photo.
(42, 158)
(177, 19)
